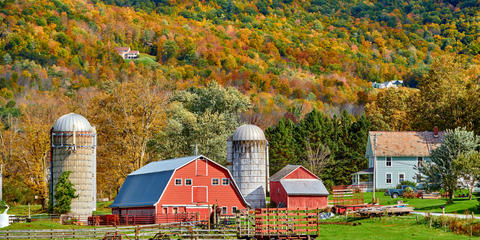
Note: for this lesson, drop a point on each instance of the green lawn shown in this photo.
(430, 205)
(385, 228)
(146, 59)
(103, 209)
(41, 225)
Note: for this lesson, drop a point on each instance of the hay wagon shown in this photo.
(278, 223)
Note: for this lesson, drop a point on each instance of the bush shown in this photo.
(64, 193)
(407, 183)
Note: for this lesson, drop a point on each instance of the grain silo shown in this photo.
(247, 159)
(73, 148)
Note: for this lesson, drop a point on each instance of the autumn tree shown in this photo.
(126, 118)
(448, 95)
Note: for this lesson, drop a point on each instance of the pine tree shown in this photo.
(64, 193)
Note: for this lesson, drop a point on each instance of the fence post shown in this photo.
(318, 222)
(137, 229)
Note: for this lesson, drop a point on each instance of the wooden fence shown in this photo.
(127, 232)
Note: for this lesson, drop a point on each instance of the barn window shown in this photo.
(178, 181)
(214, 181)
(234, 209)
(388, 178)
(165, 210)
(224, 210)
(188, 182)
(175, 210)
(388, 162)
(225, 181)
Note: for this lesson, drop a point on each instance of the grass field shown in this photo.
(146, 59)
(385, 228)
(41, 225)
(430, 205)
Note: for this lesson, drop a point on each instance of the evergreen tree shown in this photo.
(442, 171)
(282, 145)
(64, 193)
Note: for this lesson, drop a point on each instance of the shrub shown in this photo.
(407, 183)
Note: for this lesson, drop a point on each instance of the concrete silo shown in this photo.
(73, 148)
(247, 159)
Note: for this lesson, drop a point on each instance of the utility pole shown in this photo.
(374, 165)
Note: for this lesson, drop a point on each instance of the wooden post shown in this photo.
(137, 230)
(318, 223)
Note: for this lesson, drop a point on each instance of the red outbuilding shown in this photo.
(177, 190)
(296, 187)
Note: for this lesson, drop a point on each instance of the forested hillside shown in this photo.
(208, 66)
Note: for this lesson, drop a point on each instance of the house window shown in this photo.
(214, 181)
(388, 162)
(225, 181)
(234, 210)
(178, 181)
(188, 182)
(224, 210)
(388, 178)
(401, 177)
(420, 161)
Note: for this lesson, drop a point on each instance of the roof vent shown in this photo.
(435, 131)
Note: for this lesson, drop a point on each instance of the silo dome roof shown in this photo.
(248, 132)
(72, 122)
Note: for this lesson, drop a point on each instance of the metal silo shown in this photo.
(73, 148)
(247, 159)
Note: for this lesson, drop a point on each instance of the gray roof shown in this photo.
(165, 165)
(304, 187)
(284, 172)
(248, 132)
(72, 122)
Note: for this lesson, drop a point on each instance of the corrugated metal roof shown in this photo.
(304, 187)
(248, 132)
(142, 189)
(284, 172)
(164, 165)
(72, 122)
(145, 186)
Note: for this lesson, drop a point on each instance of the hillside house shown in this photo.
(126, 53)
(389, 84)
(394, 156)
(165, 190)
(296, 187)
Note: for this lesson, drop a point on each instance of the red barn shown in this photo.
(296, 187)
(169, 190)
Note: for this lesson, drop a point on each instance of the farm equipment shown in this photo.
(278, 223)
(347, 198)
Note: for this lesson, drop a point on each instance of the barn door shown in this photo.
(199, 194)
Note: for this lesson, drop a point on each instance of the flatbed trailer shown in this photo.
(279, 223)
(378, 211)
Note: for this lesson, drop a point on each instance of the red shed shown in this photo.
(169, 190)
(296, 187)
